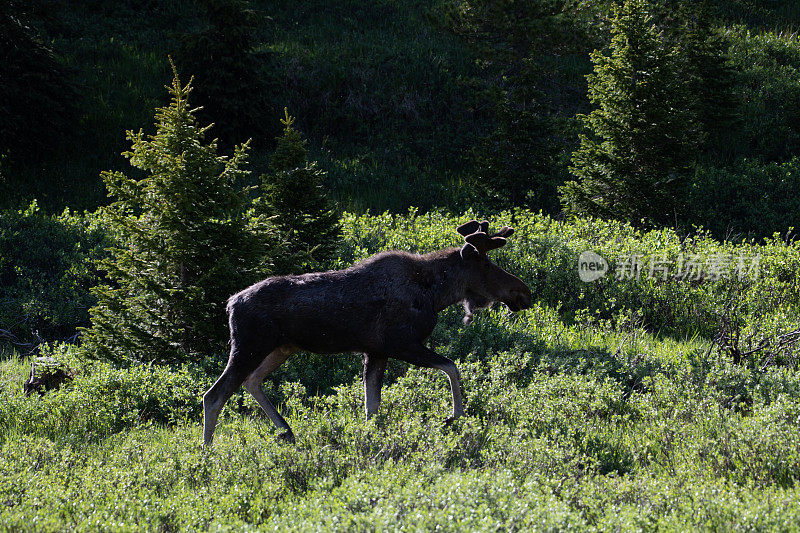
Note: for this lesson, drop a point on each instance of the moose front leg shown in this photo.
(420, 355)
(374, 368)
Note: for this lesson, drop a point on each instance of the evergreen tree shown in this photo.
(703, 59)
(293, 194)
(232, 78)
(701, 54)
(643, 135)
(184, 244)
(517, 163)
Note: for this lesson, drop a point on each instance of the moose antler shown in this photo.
(468, 228)
(477, 234)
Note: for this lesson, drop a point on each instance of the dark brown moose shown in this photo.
(385, 306)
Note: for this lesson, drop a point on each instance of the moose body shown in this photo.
(385, 306)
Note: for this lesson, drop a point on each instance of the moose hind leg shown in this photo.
(253, 384)
(374, 368)
(419, 355)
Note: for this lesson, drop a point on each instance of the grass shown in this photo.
(552, 439)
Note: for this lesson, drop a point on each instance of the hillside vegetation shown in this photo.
(443, 103)
(578, 416)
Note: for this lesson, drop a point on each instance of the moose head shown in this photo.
(486, 282)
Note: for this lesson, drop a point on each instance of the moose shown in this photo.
(385, 306)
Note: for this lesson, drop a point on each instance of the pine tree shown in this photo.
(293, 194)
(703, 58)
(234, 81)
(643, 135)
(184, 243)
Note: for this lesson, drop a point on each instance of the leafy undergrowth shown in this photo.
(567, 427)
(580, 414)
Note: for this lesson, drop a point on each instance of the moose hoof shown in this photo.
(287, 436)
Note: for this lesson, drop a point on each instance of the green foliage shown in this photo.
(516, 165)
(292, 193)
(382, 94)
(643, 136)
(705, 64)
(185, 243)
(550, 438)
(758, 15)
(102, 400)
(232, 82)
(544, 252)
(746, 199)
(768, 65)
(47, 271)
(389, 101)
(574, 419)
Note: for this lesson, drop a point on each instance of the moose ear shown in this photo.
(485, 226)
(468, 228)
(469, 252)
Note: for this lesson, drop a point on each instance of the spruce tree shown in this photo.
(703, 57)
(643, 136)
(234, 81)
(293, 194)
(184, 243)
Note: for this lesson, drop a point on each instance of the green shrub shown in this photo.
(517, 164)
(748, 199)
(768, 64)
(103, 400)
(578, 413)
(47, 271)
(544, 253)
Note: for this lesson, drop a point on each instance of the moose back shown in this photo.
(385, 306)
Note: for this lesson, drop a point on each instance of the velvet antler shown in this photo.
(477, 236)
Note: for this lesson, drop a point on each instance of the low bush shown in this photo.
(578, 414)
(102, 400)
(749, 199)
(669, 284)
(47, 271)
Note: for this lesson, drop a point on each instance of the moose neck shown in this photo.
(450, 286)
